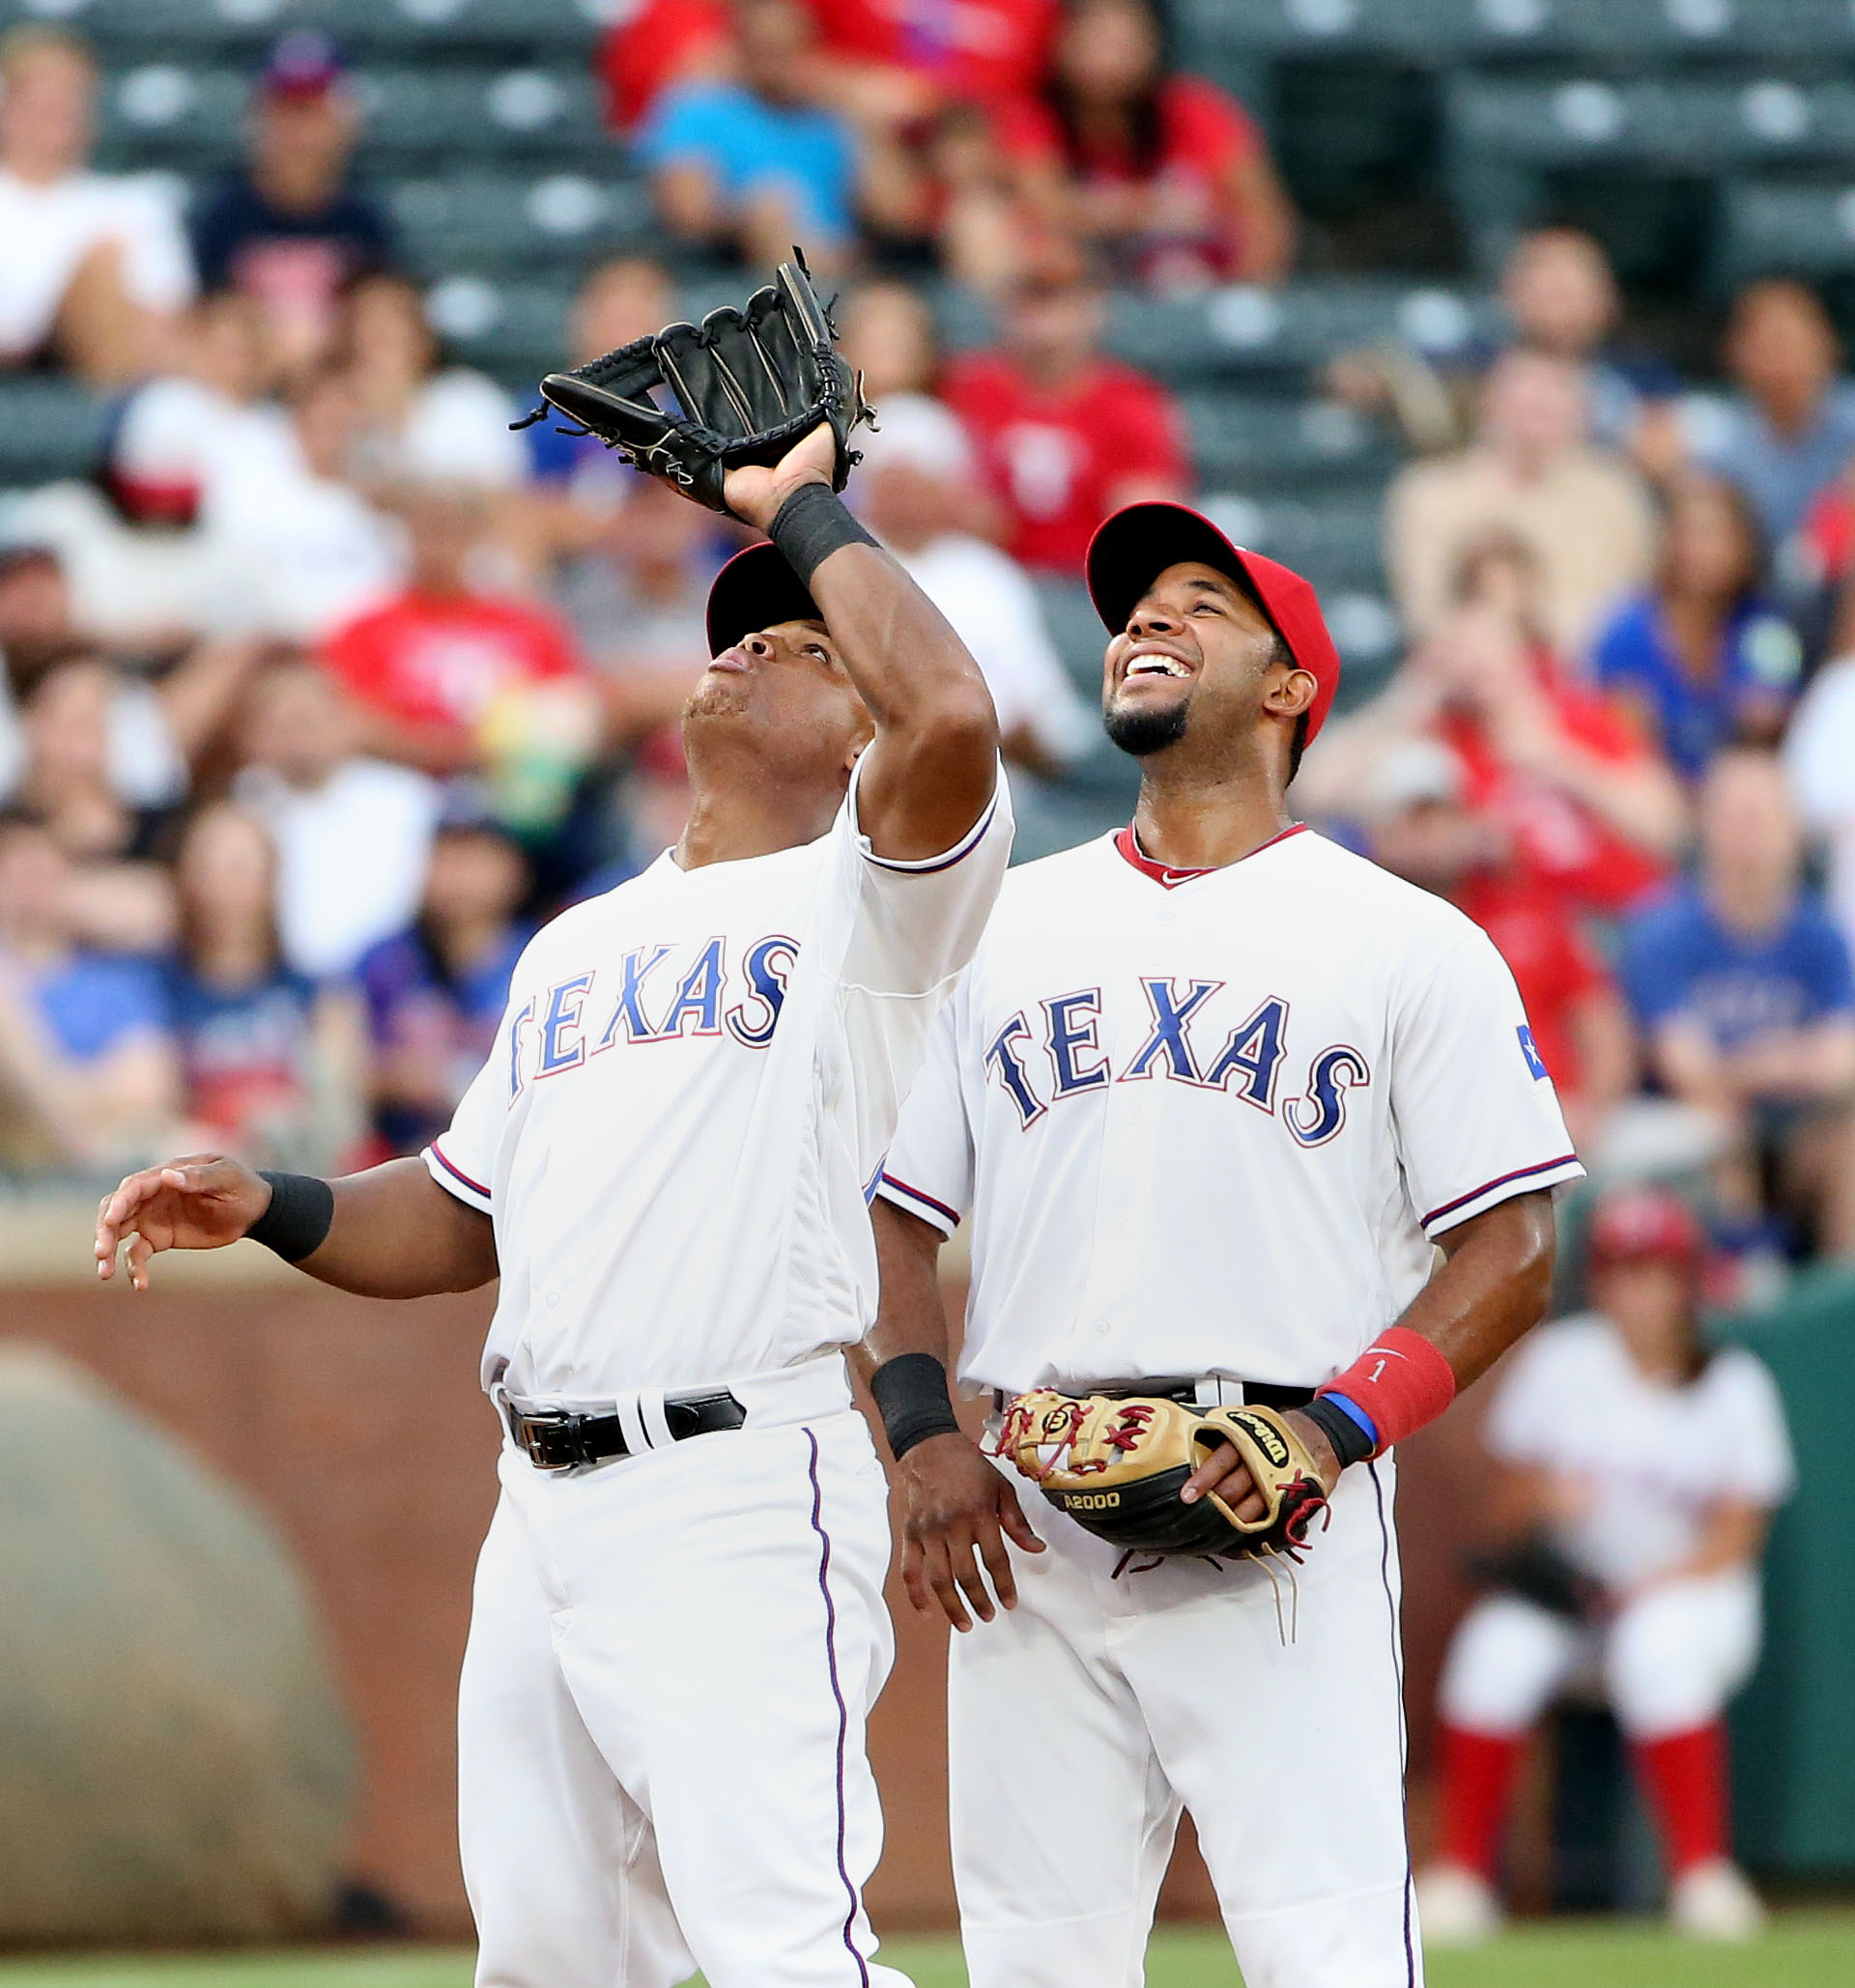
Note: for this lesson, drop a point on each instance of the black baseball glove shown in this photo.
(694, 401)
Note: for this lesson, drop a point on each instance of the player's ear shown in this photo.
(1289, 691)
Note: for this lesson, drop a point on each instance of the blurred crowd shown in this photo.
(330, 683)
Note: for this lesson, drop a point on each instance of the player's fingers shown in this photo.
(1011, 1515)
(141, 1249)
(1222, 1462)
(998, 1564)
(940, 1578)
(914, 1579)
(967, 1571)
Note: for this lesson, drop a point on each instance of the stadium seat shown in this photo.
(171, 114)
(516, 329)
(556, 28)
(495, 221)
(1798, 229)
(521, 111)
(48, 428)
(1272, 441)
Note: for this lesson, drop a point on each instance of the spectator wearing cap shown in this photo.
(1582, 510)
(911, 488)
(1063, 434)
(89, 1082)
(272, 1063)
(1164, 171)
(1699, 657)
(95, 265)
(1418, 825)
(1635, 1472)
(1743, 990)
(292, 226)
(436, 992)
(750, 162)
(353, 835)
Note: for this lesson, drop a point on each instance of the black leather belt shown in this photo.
(557, 1439)
(1172, 1388)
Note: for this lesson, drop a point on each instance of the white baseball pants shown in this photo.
(1082, 1722)
(661, 1716)
(1666, 1663)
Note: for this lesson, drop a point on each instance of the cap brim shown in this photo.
(755, 589)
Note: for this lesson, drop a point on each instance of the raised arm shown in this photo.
(932, 768)
(392, 1232)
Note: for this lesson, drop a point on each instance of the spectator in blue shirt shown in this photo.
(751, 164)
(89, 1082)
(436, 993)
(1698, 657)
(271, 1061)
(1792, 425)
(1743, 989)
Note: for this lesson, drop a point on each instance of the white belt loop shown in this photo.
(1217, 1391)
(631, 1421)
(650, 1410)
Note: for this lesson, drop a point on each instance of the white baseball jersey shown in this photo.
(1637, 1464)
(1210, 1123)
(689, 1100)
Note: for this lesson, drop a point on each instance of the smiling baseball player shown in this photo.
(1211, 1092)
(679, 1624)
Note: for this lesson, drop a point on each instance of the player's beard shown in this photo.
(1139, 729)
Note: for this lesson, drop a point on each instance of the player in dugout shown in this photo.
(1212, 1093)
(678, 1625)
(1637, 1468)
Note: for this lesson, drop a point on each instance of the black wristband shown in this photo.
(911, 1393)
(811, 525)
(1350, 1443)
(295, 1224)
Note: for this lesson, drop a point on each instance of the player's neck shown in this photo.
(732, 823)
(1188, 823)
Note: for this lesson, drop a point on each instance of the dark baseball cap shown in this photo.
(755, 589)
(306, 63)
(1136, 545)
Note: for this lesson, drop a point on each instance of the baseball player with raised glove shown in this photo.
(1257, 1152)
(678, 1627)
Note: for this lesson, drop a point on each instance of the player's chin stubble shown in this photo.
(1141, 730)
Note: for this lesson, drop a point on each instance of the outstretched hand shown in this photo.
(202, 1200)
(955, 1505)
(755, 494)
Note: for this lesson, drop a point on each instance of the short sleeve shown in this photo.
(1832, 982)
(683, 125)
(1757, 1462)
(916, 924)
(1478, 1120)
(461, 1158)
(157, 261)
(1653, 968)
(929, 1168)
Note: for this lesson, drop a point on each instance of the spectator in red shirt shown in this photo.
(1421, 830)
(1166, 172)
(1588, 812)
(1063, 434)
(434, 672)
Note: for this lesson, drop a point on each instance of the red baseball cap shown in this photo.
(755, 589)
(1136, 545)
(1634, 1223)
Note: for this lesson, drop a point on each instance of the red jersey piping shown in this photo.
(1130, 851)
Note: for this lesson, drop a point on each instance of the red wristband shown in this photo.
(1400, 1382)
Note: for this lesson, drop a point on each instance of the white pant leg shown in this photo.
(1062, 1821)
(1675, 1654)
(1284, 1735)
(1507, 1660)
(559, 1863)
(724, 1637)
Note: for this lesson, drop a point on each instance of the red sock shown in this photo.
(1478, 1771)
(1684, 1776)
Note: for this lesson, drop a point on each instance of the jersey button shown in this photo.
(1102, 1327)
(554, 1297)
